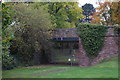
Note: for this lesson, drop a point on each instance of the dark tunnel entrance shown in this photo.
(44, 58)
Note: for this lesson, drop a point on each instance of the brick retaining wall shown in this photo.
(109, 49)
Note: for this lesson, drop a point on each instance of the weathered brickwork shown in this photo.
(109, 49)
(65, 32)
(81, 56)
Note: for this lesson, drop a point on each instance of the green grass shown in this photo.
(109, 59)
(104, 70)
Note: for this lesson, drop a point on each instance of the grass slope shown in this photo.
(104, 70)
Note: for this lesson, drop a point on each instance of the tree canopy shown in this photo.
(109, 9)
(64, 14)
(115, 13)
(32, 33)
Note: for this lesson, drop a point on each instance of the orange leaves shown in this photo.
(98, 16)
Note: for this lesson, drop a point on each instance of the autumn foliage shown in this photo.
(112, 9)
(115, 12)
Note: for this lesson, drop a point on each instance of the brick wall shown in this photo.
(109, 49)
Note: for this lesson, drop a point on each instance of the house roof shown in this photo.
(65, 33)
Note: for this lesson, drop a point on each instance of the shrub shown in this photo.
(8, 61)
(92, 37)
(7, 35)
(32, 36)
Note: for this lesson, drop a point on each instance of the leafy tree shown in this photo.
(107, 8)
(32, 35)
(96, 19)
(114, 12)
(7, 35)
(64, 14)
(102, 15)
(88, 11)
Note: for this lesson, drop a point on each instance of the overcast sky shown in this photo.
(82, 2)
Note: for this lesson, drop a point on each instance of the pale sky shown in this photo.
(82, 2)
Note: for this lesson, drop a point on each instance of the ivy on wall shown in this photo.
(92, 36)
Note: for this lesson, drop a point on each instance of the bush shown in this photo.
(7, 35)
(92, 38)
(8, 61)
(32, 36)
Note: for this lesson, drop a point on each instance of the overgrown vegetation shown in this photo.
(31, 33)
(92, 36)
(8, 61)
(26, 34)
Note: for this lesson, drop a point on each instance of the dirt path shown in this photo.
(41, 66)
(51, 71)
